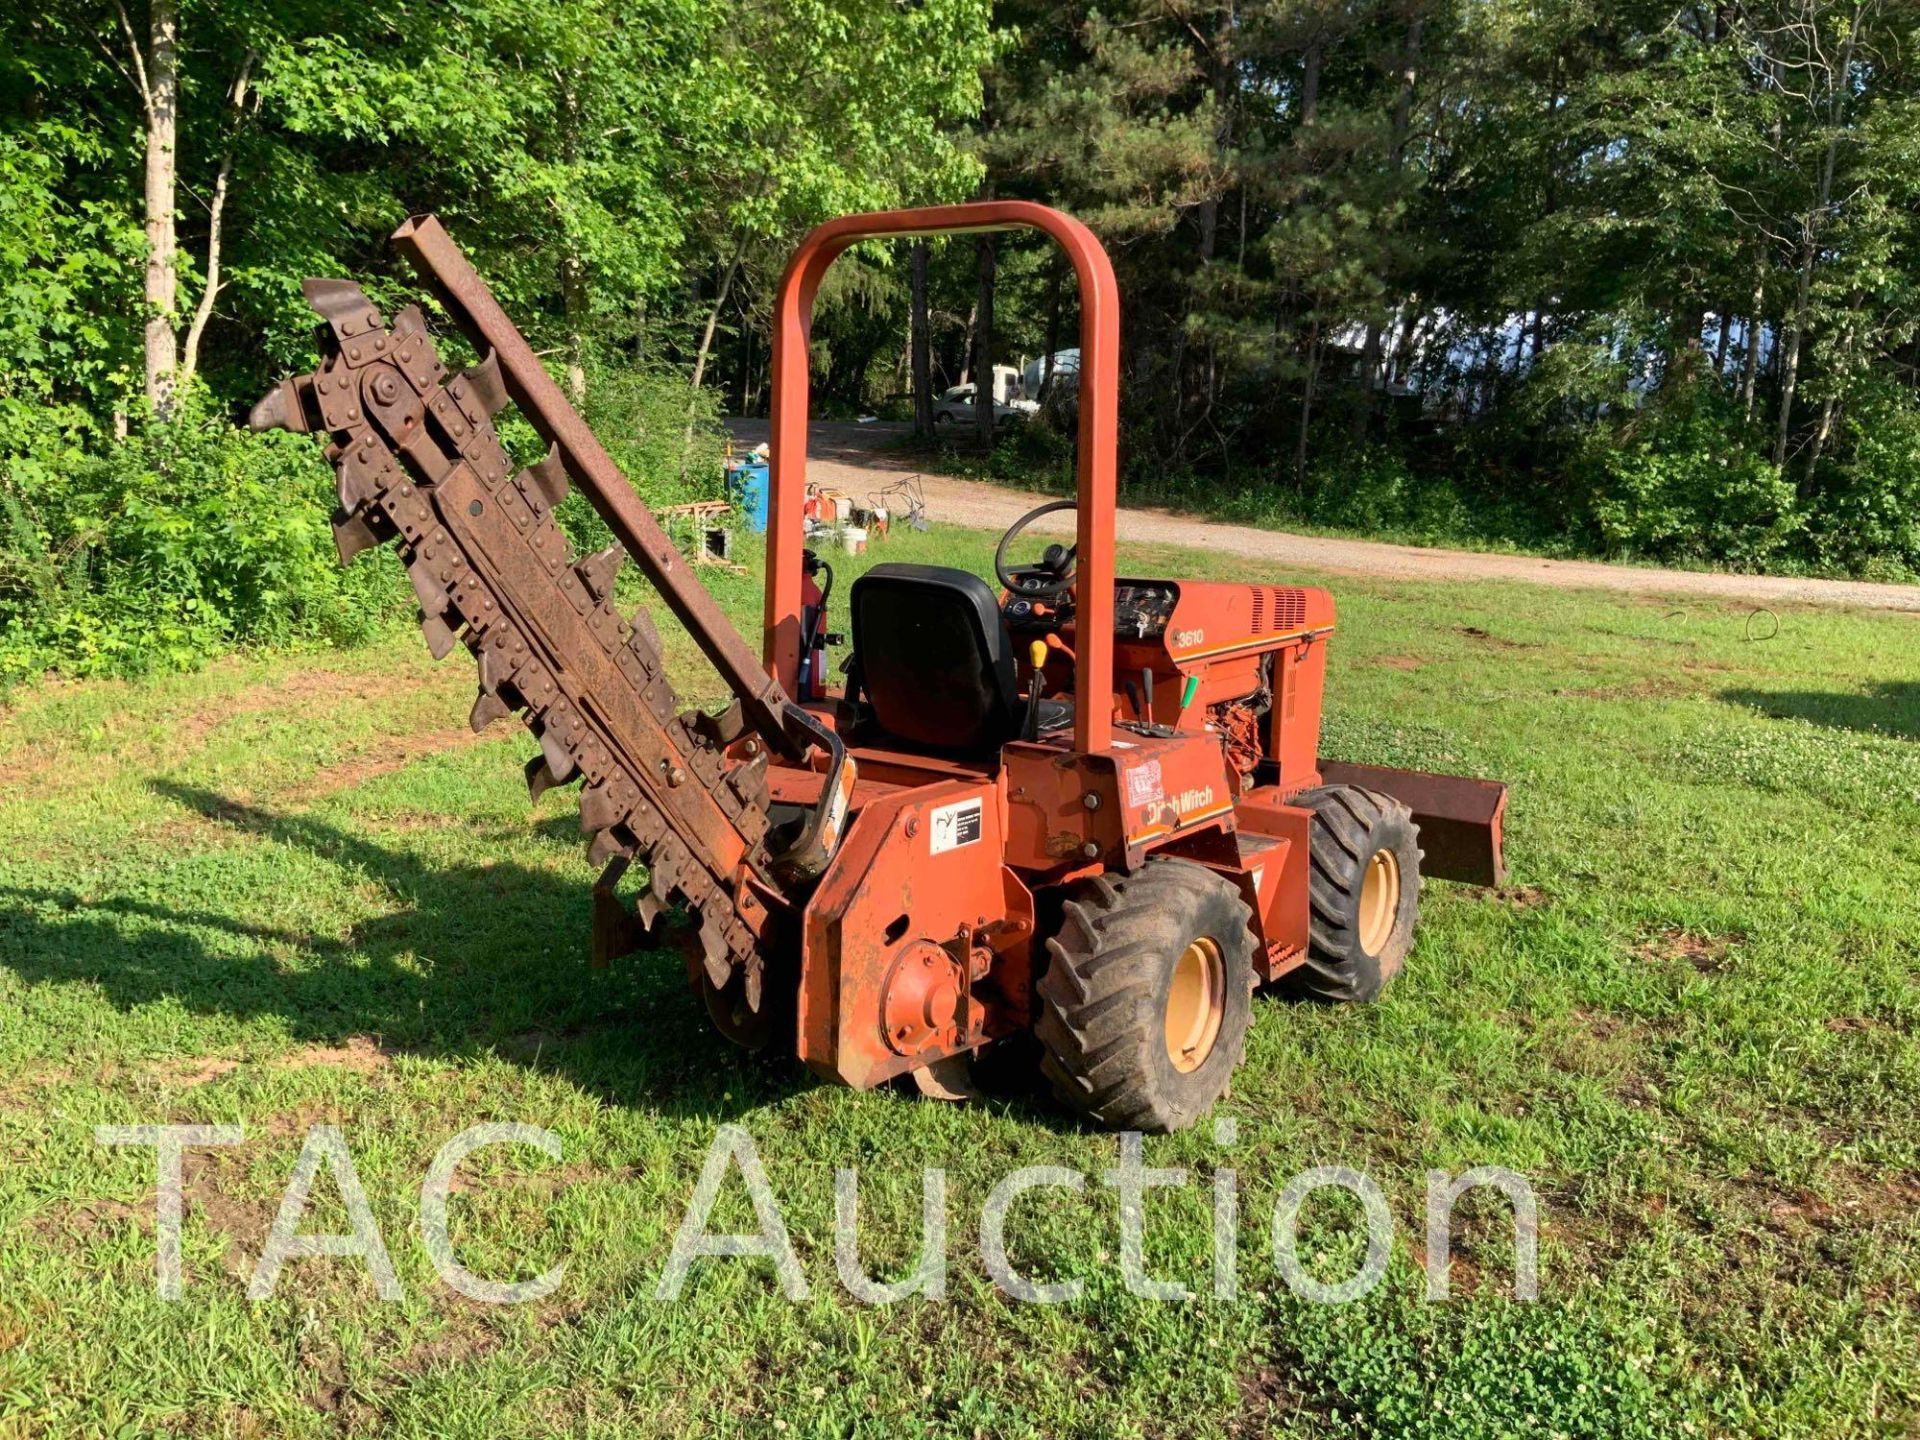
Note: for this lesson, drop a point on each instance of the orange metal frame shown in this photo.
(1099, 432)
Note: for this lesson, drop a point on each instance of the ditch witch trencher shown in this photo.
(1089, 808)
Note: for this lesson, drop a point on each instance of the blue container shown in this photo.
(747, 488)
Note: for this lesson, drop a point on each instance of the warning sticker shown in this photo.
(955, 825)
(1143, 785)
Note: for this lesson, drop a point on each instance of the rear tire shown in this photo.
(1364, 892)
(1146, 999)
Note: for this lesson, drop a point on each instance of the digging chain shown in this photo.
(419, 462)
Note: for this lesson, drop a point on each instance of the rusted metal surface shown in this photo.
(917, 942)
(419, 463)
(425, 242)
(1460, 818)
(1099, 430)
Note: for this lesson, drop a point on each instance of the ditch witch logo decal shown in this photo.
(1146, 793)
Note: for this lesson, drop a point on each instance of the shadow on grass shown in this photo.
(471, 960)
(1889, 708)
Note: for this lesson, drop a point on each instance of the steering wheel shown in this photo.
(1049, 579)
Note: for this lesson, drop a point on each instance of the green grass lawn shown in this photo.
(286, 891)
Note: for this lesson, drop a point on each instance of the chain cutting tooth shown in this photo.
(559, 761)
(609, 845)
(488, 389)
(645, 633)
(343, 305)
(599, 570)
(439, 636)
(600, 805)
(487, 708)
(355, 533)
(539, 779)
(647, 909)
(547, 477)
(428, 588)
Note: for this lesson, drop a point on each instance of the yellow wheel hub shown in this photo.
(1196, 1003)
(1379, 901)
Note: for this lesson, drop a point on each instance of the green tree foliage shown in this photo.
(1631, 277)
(606, 164)
(1622, 276)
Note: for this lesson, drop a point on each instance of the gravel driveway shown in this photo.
(859, 459)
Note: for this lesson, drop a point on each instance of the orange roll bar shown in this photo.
(1099, 432)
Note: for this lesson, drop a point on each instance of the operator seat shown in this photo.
(937, 662)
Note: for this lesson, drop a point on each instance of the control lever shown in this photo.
(1037, 654)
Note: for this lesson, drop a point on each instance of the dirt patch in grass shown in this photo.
(394, 753)
(194, 1071)
(1517, 897)
(1877, 1196)
(1652, 687)
(1707, 954)
(210, 1194)
(1271, 1398)
(1397, 662)
(464, 1339)
(1487, 637)
(1859, 1200)
(26, 1091)
(73, 1224)
(358, 1055)
(185, 733)
(1858, 1025)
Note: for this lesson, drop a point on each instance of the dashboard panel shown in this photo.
(1141, 610)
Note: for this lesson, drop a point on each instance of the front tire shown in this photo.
(1364, 893)
(1147, 996)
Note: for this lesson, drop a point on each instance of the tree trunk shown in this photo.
(573, 267)
(1688, 321)
(713, 324)
(573, 299)
(1400, 361)
(1756, 326)
(216, 214)
(983, 345)
(203, 312)
(706, 349)
(1306, 407)
(1725, 322)
(1820, 437)
(1310, 85)
(161, 72)
(1840, 77)
(1402, 127)
(746, 362)
(920, 343)
(1790, 350)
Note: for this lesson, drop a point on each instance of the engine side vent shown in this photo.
(1277, 610)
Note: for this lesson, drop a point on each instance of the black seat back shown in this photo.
(935, 657)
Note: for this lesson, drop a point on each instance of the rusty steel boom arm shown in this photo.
(425, 243)
(418, 461)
